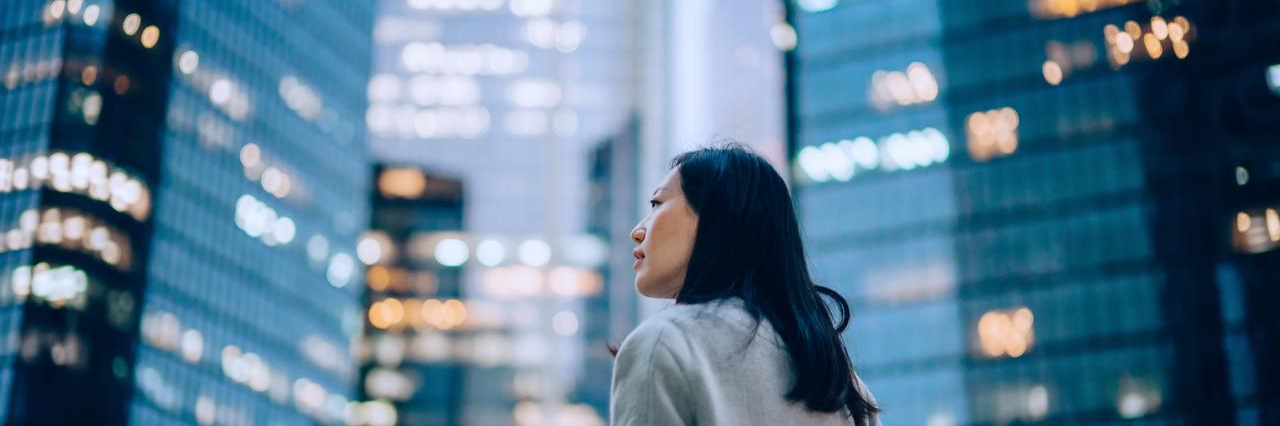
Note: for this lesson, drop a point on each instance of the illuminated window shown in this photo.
(915, 85)
(1056, 9)
(1256, 231)
(403, 182)
(992, 133)
(1006, 333)
(843, 160)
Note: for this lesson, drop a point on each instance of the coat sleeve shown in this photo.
(649, 386)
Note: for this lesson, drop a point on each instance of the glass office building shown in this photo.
(1045, 212)
(413, 307)
(172, 172)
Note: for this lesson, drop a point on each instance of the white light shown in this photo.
(92, 107)
(188, 62)
(424, 90)
(783, 35)
(380, 119)
(206, 410)
(941, 418)
(864, 152)
(527, 8)
(535, 253)
(91, 14)
(299, 97)
(921, 149)
(1132, 405)
(541, 32)
(59, 284)
(131, 24)
(490, 252)
(526, 122)
(565, 323)
(458, 90)
(284, 230)
(427, 124)
(369, 250)
(451, 252)
(534, 93)
(220, 91)
(1038, 402)
(317, 247)
(938, 144)
(379, 413)
(1273, 78)
(57, 8)
(388, 383)
(924, 86)
(814, 6)
(570, 36)
(839, 166)
(192, 346)
(811, 163)
(384, 88)
(894, 148)
(341, 266)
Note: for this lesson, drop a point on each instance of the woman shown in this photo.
(750, 340)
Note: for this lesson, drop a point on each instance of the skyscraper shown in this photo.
(509, 96)
(1045, 194)
(412, 301)
(183, 184)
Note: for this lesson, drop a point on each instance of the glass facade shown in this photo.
(172, 172)
(1032, 205)
(414, 311)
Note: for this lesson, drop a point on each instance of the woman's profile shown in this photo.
(751, 339)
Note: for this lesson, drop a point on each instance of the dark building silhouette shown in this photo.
(413, 301)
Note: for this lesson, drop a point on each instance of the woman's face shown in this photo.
(664, 240)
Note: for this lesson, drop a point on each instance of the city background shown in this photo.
(415, 212)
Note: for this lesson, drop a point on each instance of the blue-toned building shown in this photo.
(182, 184)
(1045, 212)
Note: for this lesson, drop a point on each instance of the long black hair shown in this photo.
(748, 245)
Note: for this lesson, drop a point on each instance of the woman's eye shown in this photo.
(653, 203)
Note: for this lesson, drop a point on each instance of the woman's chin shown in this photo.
(652, 290)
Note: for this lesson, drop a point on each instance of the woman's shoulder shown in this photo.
(681, 325)
(664, 326)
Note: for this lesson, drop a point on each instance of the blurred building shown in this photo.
(181, 190)
(1069, 205)
(709, 72)
(611, 208)
(412, 300)
(509, 96)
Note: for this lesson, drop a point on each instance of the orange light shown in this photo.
(378, 278)
(1181, 49)
(1154, 48)
(89, 75)
(1006, 332)
(1052, 73)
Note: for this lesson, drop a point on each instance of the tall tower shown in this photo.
(1063, 200)
(182, 184)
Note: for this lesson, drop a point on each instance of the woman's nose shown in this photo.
(637, 235)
